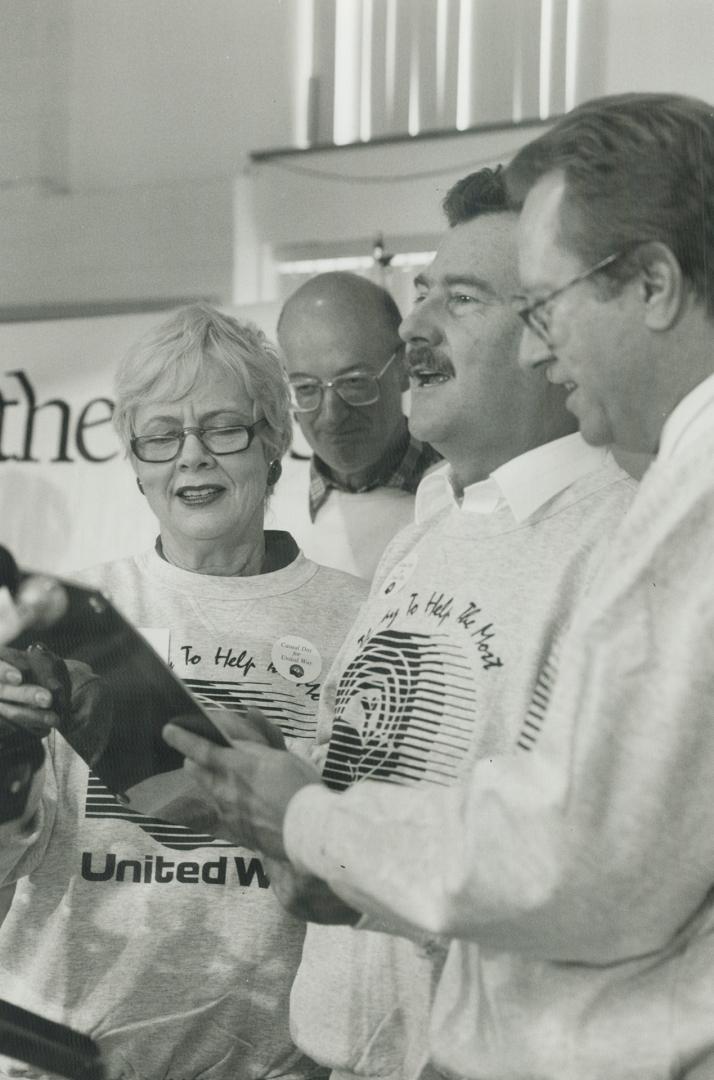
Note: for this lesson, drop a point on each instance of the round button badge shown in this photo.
(296, 659)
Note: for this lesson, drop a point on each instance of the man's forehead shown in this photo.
(330, 349)
(480, 252)
(540, 232)
(541, 207)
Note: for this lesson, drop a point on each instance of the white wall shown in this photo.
(124, 124)
(121, 244)
(171, 90)
(299, 211)
(660, 45)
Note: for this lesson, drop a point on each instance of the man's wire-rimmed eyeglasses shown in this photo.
(354, 387)
(216, 440)
(537, 315)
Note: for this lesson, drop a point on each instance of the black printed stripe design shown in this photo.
(294, 717)
(404, 712)
(538, 708)
(102, 803)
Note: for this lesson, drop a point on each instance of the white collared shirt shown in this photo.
(690, 418)
(525, 484)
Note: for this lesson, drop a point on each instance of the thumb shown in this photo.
(249, 725)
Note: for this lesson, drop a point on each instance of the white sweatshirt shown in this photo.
(435, 674)
(582, 866)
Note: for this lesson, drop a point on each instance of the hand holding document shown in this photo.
(76, 664)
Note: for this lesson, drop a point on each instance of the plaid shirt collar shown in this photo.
(402, 469)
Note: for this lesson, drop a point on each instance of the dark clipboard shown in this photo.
(43, 1044)
(138, 694)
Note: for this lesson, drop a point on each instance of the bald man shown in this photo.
(340, 342)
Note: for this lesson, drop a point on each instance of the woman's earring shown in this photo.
(275, 470)
(140, 486)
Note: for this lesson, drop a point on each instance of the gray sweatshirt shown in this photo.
(169, 948)
(577, 871)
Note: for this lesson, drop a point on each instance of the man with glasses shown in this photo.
(575, 874)
(438, 669)
(345, 364)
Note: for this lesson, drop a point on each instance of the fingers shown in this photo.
(248, 726)
(37, 722)
(230, 723)
(220, 770)
(14, 668)
(271, 733)
(207, 766)
(9, 673)
(193, 747)
(24, 705)
(205, 780)
(32, 696)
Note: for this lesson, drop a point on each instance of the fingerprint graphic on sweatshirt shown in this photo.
(286, 705)
(404, 712)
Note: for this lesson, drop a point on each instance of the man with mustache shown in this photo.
(575, 877)
(438, 670)
(339, 338)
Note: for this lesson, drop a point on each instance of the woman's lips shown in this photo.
(199, 495)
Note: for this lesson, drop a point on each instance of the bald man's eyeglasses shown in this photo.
(356, 388)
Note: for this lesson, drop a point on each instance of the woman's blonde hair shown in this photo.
(172, 359)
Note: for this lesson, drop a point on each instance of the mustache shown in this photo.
(424, 358)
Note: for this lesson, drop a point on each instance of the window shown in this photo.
(367, 69)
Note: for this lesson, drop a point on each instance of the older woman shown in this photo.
(168, 946)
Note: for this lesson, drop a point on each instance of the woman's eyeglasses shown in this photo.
(216, 440)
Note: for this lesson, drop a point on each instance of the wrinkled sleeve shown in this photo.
(597, 844)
